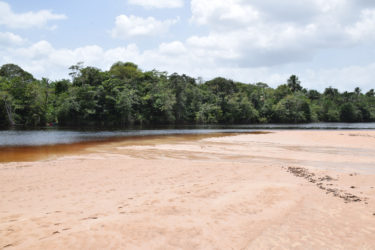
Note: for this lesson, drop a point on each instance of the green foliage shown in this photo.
(162, 101)
(281, 92)
(370, 93)
(15, 71)
(208, 113)
(126, 95)
(88, 76)
(125, 103)
(61, 86)
(240, 110)
(313, 95)
(329, 111)
(294, 83)
(348, 113)
(331, 92)
(293, 109)
(128, 71)
(183, 90)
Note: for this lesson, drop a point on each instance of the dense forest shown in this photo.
(126, 95)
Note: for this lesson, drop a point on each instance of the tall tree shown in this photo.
(294, 83)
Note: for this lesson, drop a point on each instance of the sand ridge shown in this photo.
(228, 192)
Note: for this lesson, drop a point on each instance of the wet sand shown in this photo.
(280, 190)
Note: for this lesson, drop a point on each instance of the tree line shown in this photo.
(125, 95)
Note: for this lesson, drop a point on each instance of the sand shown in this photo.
(280, 190)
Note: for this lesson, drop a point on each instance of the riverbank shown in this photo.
(284, 189)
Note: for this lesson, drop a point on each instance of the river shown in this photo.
(29, 145)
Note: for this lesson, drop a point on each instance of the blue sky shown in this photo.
(324, 42)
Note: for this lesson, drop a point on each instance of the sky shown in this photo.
(323, 42)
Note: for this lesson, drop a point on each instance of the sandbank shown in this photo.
(277, 190)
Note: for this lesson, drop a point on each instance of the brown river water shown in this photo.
(41, 152)
(36, 145)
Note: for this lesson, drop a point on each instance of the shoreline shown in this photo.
(234, 191)
(25, 153)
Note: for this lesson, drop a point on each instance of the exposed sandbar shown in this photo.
(282, 190)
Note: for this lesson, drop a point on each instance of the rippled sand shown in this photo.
(197, 192)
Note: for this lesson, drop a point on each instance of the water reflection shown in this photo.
(13, 138)
(30, 145)
(61, 136)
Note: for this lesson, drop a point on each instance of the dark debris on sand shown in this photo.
(319, 182)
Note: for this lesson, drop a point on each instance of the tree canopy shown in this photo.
(126, 95)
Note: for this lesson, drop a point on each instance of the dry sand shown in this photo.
(281, 190)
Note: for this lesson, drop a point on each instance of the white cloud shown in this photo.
(26, 20)
(133, 26)
(8, 39)
(222, 13)
(364, 28)
(38, 50)
(173, 48)
(262, 33)
(248, 41)
(160, 4)
(43, 60)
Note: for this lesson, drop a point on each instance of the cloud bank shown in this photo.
(248, 41)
